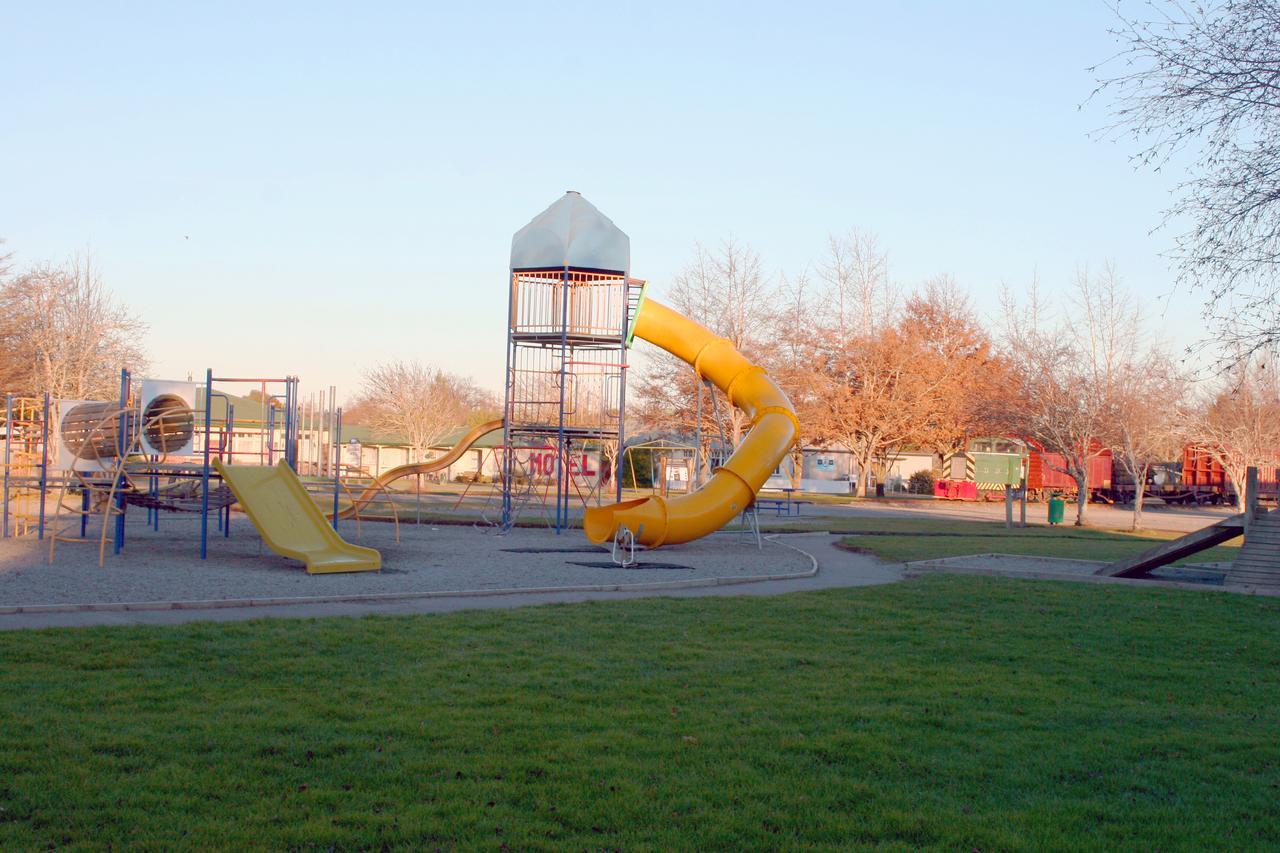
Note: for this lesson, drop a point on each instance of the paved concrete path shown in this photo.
(836, 568)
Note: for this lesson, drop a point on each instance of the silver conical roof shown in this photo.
(572, 232)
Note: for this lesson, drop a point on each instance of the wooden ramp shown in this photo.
(1258, 564)
(1167, 552)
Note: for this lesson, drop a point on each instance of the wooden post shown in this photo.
(1022, 503)
(1008, 506)
(1250, 497)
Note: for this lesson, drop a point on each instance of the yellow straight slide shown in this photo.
(290, 522)
(774, 429)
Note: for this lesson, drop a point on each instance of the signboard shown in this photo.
(543, 463)
(351, 453)
(675, 475)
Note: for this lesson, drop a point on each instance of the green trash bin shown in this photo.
(1057, 509)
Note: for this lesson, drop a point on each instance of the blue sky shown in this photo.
(312, 188)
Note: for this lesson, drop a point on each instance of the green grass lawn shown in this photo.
(907, 539)
(956, 712)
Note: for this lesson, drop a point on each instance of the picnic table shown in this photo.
(786, 505)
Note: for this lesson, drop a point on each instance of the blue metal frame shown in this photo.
(561, 454)
(122, 447)
(204, 474)
(290, 442)
(224, 514)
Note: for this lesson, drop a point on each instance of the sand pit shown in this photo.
(165, 566)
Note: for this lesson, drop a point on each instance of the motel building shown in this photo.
(374, 454)
(366, 452)
(832, 470)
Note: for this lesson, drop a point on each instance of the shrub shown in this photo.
(921, 483)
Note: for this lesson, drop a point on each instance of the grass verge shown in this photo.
(908, 539)
(949, 712)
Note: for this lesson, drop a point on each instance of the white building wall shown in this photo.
(833, 471)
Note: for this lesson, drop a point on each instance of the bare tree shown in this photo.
(1239, 424)
(63, 332)
(1147, 419)
(793, 359)
(1067, 372)
(873, 399)
(728, 292)
(859, 293)
(959, 356)
(1204, 80)
(419, 403)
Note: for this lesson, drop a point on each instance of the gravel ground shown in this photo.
(165, 565)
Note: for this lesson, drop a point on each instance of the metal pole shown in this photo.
(317, 426)
(304, 422)
(122, 446)
(291, 428)
(622, 386)
(311, 433)
(269, 422)
(294, 425)
(204, 474)
(564, 354)
(264, 448)
(44, 464)
(289, 403)
(337, 468)
(285, 426)
(317, 406)
(508, 468)
(154, 483)
(225, 512)
(313, 445)
(8, 440)
(697, 441)
(1022, 504)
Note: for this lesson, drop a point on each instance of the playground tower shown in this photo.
(570, 305)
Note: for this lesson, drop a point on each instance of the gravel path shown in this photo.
(165, 565)
(838, 568)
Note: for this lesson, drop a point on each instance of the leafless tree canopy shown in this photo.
(859, 291)
(1204, 79)
(727, 291)
(62, 332)
(1077, 376)
(1238, 423)
(863, 373)
(421, 404)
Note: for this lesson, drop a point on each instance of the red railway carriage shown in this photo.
(1203, 477)
(1044, 472)
(992, 464)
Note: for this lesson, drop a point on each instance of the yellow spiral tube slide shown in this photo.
(659, 521)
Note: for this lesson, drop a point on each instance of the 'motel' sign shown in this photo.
(544, 462)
